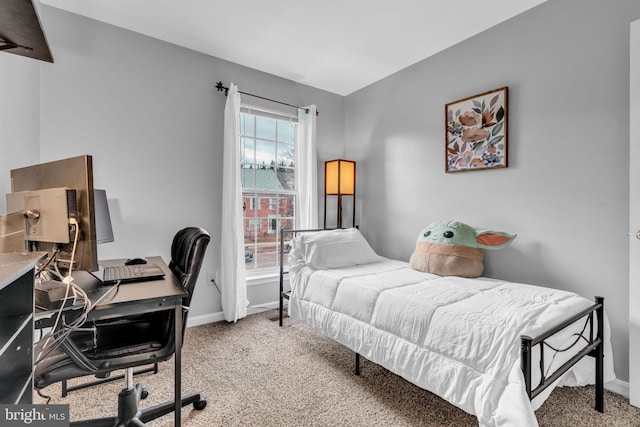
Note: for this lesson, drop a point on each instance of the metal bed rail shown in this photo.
(285, 295)
(593, 348)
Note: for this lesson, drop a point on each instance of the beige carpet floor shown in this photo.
(254, 373)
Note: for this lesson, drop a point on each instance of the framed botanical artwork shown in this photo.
(476, 132)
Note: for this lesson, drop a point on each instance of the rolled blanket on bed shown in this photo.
(447, 260)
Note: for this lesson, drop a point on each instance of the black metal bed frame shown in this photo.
(287, 294)
(594, 342)
(594, 348)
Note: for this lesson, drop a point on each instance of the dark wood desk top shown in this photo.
(140, 297)
(169, 287)
(128, 298)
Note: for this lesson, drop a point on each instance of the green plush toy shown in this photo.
(451, 248)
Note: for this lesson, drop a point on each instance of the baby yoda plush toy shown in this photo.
(451, 248)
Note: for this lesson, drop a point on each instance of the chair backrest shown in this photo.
(187, 253)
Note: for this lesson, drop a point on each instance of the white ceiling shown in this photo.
(336, 45)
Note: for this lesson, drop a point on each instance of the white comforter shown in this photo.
(456, 337)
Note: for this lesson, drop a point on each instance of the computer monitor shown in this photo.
(74, 173)
(104, 231)
(47, 213)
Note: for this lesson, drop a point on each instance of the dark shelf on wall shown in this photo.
(21, 32)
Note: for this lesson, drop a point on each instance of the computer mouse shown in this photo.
(135, 261)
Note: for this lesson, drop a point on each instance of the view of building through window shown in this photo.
(268, 189)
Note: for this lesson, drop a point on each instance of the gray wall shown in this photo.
(149, 114)
(19, 117)
(565, 192)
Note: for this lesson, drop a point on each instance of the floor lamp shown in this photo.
(339, 180)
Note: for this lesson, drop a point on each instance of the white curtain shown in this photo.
(233, 283)
(306, 170)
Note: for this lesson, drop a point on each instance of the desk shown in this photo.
(144, 297)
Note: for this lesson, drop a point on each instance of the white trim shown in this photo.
(619, 387)
(266, 112)
(273, 305)
(219, 316)
(265, 277)
(634, 210)
(205, 319)
(262, 277)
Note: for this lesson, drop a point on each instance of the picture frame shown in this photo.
(476, 132)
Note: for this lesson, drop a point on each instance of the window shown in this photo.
(268, 175)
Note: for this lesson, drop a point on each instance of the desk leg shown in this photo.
(178, 365)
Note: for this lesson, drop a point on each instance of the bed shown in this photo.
(493, 348)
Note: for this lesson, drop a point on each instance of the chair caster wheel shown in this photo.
(200, 404)
(144, 394)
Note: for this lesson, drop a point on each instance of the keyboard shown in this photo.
(132, 273)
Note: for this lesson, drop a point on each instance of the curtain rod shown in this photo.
(220, 88)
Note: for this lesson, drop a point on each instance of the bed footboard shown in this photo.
(593, 348)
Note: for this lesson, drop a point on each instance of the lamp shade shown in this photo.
(340, 177)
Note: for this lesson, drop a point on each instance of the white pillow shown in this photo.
(336, 248)
(296, 255)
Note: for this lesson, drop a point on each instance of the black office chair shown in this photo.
(128, 342)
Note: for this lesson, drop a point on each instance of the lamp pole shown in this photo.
(340, 211)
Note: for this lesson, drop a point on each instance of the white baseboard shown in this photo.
(218, 317)
(204, 319)
(618, 386)
(273, 305)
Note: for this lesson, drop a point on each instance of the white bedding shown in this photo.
(456, 337)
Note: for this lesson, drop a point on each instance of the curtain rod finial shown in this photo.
(220, 88)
